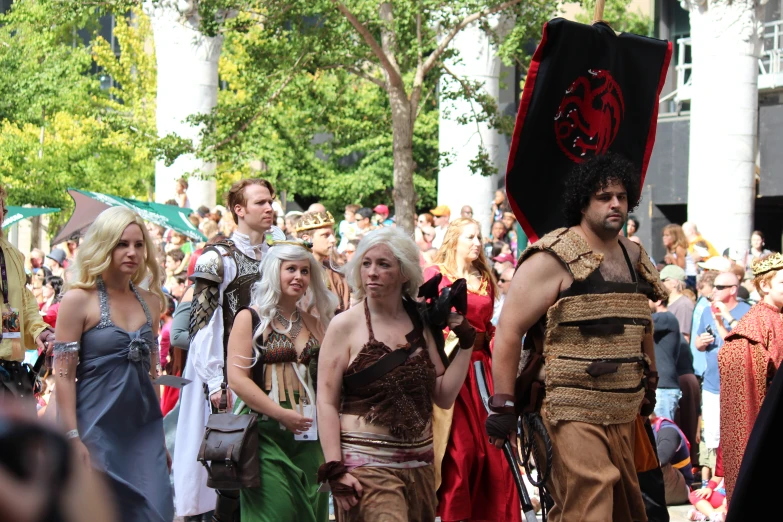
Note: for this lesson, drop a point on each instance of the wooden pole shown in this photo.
(598, 14)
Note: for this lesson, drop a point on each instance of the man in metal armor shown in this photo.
(224, 275)
(581, 296)
(318, 228)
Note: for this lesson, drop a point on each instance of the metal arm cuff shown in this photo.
(502, 403)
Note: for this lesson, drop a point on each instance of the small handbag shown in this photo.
(229, 451)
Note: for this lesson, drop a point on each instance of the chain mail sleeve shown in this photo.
(212, 274)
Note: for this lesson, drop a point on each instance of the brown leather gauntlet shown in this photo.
(332, 472)
(650, 385)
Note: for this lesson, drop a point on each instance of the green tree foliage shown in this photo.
(338, 99)
(618, 15)
(348, 89)
(328, 137)
(57, 127)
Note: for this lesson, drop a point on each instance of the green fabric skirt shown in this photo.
(289, 491)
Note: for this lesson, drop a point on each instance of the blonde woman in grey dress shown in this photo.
(105, 358)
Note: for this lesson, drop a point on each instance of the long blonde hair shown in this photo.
(447, 253)
(266, 292)
(679, 239)
(94, 255)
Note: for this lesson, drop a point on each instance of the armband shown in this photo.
(64, 354)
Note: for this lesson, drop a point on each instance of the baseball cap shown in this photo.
(504, 258)
(441, 210)
(716, 263)
(381, 209)
(673, 272)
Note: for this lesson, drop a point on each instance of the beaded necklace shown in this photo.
(295, 325)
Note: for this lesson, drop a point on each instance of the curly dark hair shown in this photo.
(594, 174)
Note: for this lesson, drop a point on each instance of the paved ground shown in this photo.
(677, 514)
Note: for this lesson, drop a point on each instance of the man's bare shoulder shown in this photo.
(633, 249)
(542, 264)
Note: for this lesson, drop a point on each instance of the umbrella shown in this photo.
(16, 214)
(89, 204)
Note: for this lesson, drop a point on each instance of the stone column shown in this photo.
(726, 36)
(457, 186)
(187, 85)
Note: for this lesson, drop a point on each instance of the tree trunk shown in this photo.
(402, 138)
(187, 69)
(724, 106)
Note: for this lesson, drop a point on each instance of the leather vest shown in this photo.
(237, 292)
(593, 335)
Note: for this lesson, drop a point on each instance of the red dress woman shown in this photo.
(475, 479)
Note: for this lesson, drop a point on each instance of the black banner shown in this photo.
(588, 91)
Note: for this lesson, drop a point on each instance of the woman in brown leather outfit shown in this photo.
(375, 418)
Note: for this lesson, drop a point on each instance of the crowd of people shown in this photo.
(319, 329)
(702, 351)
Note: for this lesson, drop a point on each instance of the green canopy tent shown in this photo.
(87, 206)
(16, 214)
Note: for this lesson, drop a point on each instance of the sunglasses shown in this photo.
(723, 287)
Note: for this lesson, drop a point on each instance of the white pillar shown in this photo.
(457, 186)
(724, 109)
(187, 85)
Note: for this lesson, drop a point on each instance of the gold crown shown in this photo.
(313, 220)
(304, 244)
(769, 263)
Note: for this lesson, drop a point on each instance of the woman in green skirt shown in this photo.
(272, 356)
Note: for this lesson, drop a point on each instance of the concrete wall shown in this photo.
(771, 150)
(457, 186)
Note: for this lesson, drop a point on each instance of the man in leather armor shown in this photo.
(224, 275)
(318, 228)
(581, 296)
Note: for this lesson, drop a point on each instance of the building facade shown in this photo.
(718, 156)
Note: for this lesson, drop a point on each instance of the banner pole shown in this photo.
(598, 14)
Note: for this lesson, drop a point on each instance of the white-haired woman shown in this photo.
(272, 353)
(379, 373)
(105, 358)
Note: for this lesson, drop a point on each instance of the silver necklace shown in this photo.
(295, 325)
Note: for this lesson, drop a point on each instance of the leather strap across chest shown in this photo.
(390, 361)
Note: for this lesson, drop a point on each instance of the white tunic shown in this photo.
(204, 365)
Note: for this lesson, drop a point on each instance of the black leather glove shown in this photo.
(466, 334)
(501, 425)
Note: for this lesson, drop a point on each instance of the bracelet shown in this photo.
(73, 434)
(502, 403)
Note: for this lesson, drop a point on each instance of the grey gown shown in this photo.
(119, 417)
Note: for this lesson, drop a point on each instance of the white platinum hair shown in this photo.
(404, 250)
(266, 292)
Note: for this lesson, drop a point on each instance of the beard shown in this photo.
(612, 226)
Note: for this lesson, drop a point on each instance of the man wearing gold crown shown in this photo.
(224, 275)
(318, 228)
(747, 362)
